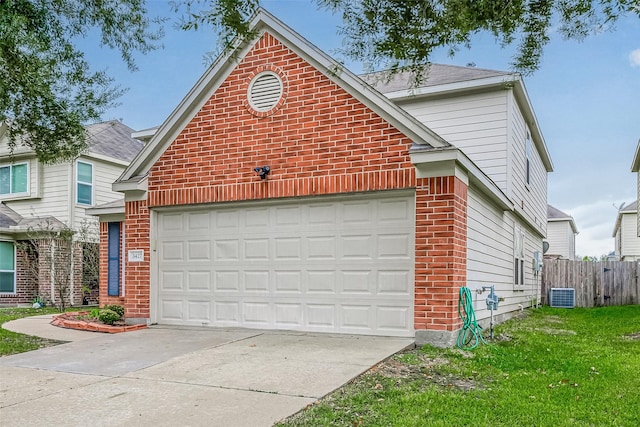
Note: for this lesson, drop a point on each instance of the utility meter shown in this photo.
(492, 301)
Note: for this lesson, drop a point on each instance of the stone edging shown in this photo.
(61, 321)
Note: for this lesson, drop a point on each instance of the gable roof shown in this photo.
(12, 222)
(630, 208)
(113, 139)
(556, 215)
(263, 22)
(436, 75)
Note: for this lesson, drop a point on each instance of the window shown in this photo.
(84, 183)
(14, 179)
(527, 149)
(7, 267)
(113, 259)
(518, 256)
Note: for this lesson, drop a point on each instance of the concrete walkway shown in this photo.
(167, 376)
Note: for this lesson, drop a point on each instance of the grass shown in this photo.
(553, 367)
(12, 342)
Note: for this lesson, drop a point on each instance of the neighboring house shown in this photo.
(376, 208)
(625, 233)
(561, 234)
(38, 196)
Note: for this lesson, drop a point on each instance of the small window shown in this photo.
(84, 180)
(7, 267)
(528, 161)
(14, 179)
(518, 256)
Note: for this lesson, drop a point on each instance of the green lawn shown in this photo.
(553, 367)
(11, 342)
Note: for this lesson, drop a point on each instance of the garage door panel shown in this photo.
(256, 281)
(392, 282)
(288, 248)
(391, 318)
(171, 280)
(256, 314)
(172, 251)
(394, 246)
(199, 250)
(227, 281)
(226, 250)
(313, 264)
(356, 282)
(321, 282)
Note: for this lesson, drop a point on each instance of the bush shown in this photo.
(108, 317)
(117, 308)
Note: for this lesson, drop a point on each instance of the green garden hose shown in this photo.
(471, 333)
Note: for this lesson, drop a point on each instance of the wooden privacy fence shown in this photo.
(596, 283)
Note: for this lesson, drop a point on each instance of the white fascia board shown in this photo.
(635, 165)
(211, 80)
(145, 134)
(103, 158)
(458, 164)
(131, 186)
(112, 210)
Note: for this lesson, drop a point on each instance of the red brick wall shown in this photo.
(441, 252)
(136, 302)
(319, 140)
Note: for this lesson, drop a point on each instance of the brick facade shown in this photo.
(34, 273)
(318, 140)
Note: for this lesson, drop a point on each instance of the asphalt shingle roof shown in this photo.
(113, 139)
(631, 207)
(438, 74)
(554, 213)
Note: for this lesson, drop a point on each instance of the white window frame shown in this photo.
(11, 271)
(519, 242)
(91, 184)
(11, 166)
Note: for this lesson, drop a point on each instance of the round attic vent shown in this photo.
(265, 91)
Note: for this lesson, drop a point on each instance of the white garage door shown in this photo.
(316, 264)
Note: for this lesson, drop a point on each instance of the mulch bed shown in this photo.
(80, 320)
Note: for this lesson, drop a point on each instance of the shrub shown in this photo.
(108, 317)
(116, 308)
(94, 313)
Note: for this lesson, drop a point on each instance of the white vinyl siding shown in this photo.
(490, 255)
(561, 239)
(529, 199)
(629, 240)
(476, 124)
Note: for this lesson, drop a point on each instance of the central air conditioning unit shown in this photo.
(562, 297)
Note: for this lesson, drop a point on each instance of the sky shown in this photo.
(586, 97)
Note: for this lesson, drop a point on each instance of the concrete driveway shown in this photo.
(182, 377)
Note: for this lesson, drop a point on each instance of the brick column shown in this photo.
(441, 258)
(137, 280)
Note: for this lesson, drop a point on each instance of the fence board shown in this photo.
(596, 283)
